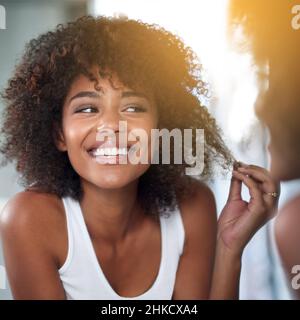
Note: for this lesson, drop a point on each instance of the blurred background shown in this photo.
(234, 92)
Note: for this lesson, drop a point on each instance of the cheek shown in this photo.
(74, 135)
(102, 176)
(76, 130)
(146, 142)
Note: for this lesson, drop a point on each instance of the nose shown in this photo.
(109, 121)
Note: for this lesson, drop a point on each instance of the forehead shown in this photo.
(83, 82)
(103, 84)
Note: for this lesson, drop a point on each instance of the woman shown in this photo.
(275, 43)
(88, 229)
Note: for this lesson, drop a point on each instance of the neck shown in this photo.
(110, 214)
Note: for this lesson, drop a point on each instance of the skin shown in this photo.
(108, 189)
(37, 236)
(284, 150)
(274, 108)
(288, 240)
(273, 40)
(285, 166)
(238, 222)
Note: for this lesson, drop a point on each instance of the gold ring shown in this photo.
(273, 194)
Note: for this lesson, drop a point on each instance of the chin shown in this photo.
(111, 181)
(281, 171)
(115, 177)
(284, 165)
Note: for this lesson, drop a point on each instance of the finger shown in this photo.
(254, 191)
(253, 166)
(259, 175)
(268, 185)
(235, 189)
(271, 202)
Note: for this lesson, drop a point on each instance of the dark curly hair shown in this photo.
(142, 55)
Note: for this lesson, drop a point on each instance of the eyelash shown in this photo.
(138, 108)
(87, 107)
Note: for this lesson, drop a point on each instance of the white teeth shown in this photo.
(109, 151)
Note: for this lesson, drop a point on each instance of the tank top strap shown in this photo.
(70, 232)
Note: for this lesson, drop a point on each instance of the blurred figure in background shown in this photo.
(272, 30)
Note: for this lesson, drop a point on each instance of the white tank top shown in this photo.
(81, 273)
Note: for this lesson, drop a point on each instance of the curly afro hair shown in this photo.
(142, 55)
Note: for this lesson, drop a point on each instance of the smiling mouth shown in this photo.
(111, 156)
(108, 152)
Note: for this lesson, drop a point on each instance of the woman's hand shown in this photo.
(240, 220)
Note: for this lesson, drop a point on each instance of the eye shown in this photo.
(86, 109)
(135, 108)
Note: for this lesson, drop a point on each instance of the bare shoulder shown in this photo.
(201, 195)
(288, 219)
(199, 205)
(287, 238)
(30, 207)
(31, 230)
(287, 228)
(198, 211)
(32, 215)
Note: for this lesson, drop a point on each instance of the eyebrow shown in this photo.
(83, 94)
(126, 94)
(93, 94)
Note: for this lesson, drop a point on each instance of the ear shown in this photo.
(59, 139)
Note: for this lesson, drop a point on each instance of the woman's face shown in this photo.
(89, 113)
